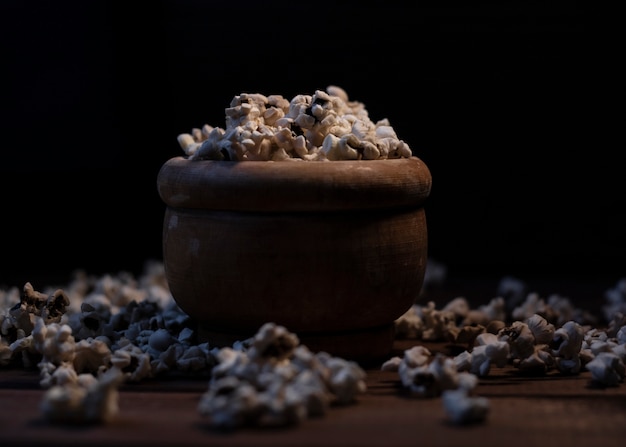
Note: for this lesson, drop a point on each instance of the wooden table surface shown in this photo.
(547, 410)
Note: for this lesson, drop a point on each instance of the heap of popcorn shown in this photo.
(99, 332)
(323, 126)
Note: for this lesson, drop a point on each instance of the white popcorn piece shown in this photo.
(420, 381)
(416, 356)
(487, 350)
(84, 402)
(462, 408)
(540, 328)
(486, 338)
(463, 361)
(24, 344)
(188, 143)
(486, 313)
(526, 353)
(567, 342)
(615, 324)
(391, 364)
(273, 343)
(438, 324)
(498, 353)
(598, 346)
(540, 361)
(91, 355)
(606, 369)
(133, 362)
(467, 334)
(6, 353)
(230, 403)
(346, 379)
(54, 341)
(429, 379)
(562, 308)
(520, 339)
(467, 381)
(533, 304)
(615, 300)
(409, 324)
(621, 335)
(51, 375)
(427, 376)
(445, 372)
(459, 306)
(315, 397)
(513, 290)
(34, 305)
(483, 356)
(620, 351)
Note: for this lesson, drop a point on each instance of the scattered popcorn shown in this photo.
(121, 331)
(606, 369)
(90, 402)
(616, 324)
(512, 290)
(323, 126)
(439, 324)
(533, 304)
(615, 300)
(392, 364)
(551, 335)
(133, 361)
(542, 331)
(410, 324)
(277, 382)
(487, 350)
(494, 310)
(567, 344)
(462, 408)
(426, 375)
(100, 332)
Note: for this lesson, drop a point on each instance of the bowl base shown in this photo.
(368, 347)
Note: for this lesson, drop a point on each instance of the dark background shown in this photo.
(514, 106)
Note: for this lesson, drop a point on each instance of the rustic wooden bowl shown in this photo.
(334, 251)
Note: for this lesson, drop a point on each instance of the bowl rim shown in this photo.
(288, 186)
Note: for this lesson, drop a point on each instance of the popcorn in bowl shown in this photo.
(320, 127)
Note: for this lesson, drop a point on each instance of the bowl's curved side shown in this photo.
(312, 273)
(334, 250)
(288, 186)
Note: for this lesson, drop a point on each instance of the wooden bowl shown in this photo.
(334, 251)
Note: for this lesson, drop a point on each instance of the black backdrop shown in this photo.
(514, 106)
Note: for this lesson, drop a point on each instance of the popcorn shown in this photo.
(615, 300)
(567, 342)
(541, 329)
(323, 126)
(92, 401)
(462, 408)
(534, 345)
(88, 340)
(276, 382)
(488, 350)
(607, 369)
